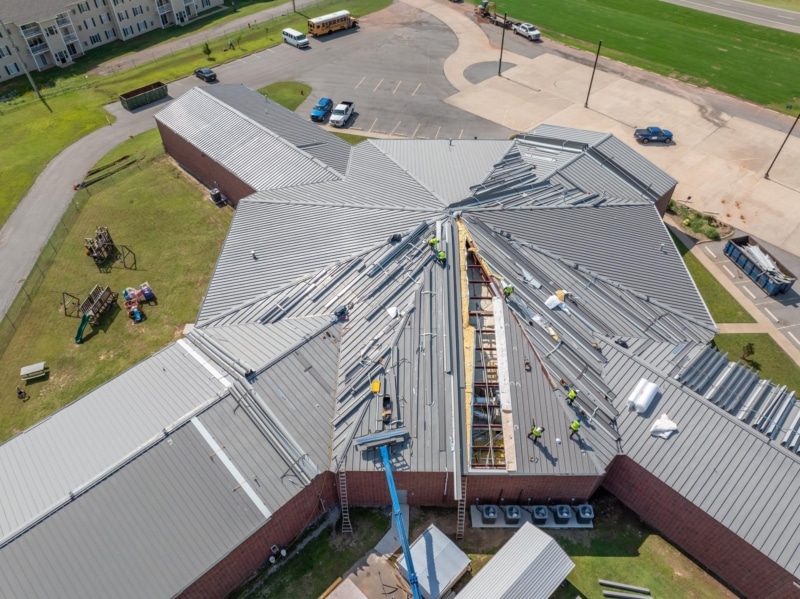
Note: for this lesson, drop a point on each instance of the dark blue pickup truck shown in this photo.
(645, 136)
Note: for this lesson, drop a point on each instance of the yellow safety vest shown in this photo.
(575, 425)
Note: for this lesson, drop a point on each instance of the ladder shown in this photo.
(462, 510)
(347, 527)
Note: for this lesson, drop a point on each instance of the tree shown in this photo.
(207, 50)
(747, 351)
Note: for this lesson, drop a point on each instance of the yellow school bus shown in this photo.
(330, 23)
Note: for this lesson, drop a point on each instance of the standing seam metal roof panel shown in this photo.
(531, 565)
(77, 443)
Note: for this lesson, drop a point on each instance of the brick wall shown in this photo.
(428, 488)
(663, 201)
(285, 524)
(201, 166)
(739, 564)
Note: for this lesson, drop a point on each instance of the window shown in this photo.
(205, 3)
(4, 51)
(50, 30)
(142, 26)
(83, 7)
(118, 2)
(104, 18)
(137, 10)
(126, 31)
(12, 69)
(95, 39)
(121, 16)
(111, 34)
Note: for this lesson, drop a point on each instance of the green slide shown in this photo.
(84, 322)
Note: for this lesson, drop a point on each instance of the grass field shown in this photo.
(721, 304)
(321, 561)
(31, 135)
(749, 61)
(769, 359)
(289, 94)
(176, 235)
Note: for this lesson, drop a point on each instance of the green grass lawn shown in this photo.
(176, 234)
(749, 61)
(623, 549)
(322, 560)
(32, 136)
(721, 304)
(289, 94)
(769, 359)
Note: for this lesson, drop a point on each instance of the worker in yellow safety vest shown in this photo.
(536, 433)
(574, 427)
(433, 242)
(441, 257)
(508, 290)
(572, 396)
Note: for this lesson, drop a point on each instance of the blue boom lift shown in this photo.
(382, 440)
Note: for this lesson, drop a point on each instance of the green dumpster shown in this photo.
(143, 95)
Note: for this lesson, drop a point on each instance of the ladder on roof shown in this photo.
(462, 510)
(347, 527)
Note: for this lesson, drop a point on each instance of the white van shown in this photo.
(295, 38)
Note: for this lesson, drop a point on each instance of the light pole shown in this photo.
(502, 43)
(594, 68)
(766, 175)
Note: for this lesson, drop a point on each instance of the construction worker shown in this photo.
(441, 257)
(536, 433)
(433, 242)
(572, 396)
(21, 394)
(508, 290)
(574, 428)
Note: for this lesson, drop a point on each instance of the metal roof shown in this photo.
(560, 134)
(157, 523)
(438, 561)
(323, 145)
(726, 468)
(594, 237)
(40, 467)
(531, 565)
(299, 241)
(257, 156)
(448, 168)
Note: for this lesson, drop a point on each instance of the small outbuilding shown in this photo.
(531, 565)
(438, 561)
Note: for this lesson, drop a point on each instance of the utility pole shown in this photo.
(788, 135)
(24, 68)
(502, 43)
(594, 68)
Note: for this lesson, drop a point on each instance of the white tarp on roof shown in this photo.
(531, 565)
(438, 561)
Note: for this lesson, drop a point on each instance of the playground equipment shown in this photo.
(102, 249)
(382, 441)
(134, 299)
(99, 300)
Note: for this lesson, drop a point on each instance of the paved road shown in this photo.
(777, 18)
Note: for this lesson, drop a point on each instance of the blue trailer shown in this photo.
(766, 271)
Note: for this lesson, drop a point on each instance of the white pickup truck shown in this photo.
(341, 114)
(527, 30)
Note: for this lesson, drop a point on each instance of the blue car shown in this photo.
(653, 134)
(322, 109)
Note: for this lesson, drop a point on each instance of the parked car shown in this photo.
(205, 74)
(528, 30)
(341, 114)
(322, 109)
(645, 136)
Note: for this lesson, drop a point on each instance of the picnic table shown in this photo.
(34, 371)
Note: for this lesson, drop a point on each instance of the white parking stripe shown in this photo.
(775, 318)
(728, 270)
(360, 82)
(377, 86)
(437, 132)
(396, 87)
(395, 127)
(415, 131)
(460, 134)
(373, 124)
(416, 90)
(713, 255)
(793, 337)
(750, 293)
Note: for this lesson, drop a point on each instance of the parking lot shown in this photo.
(398, 85)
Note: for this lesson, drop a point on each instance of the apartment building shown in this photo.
(46, 33)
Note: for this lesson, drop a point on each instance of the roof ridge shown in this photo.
(282, 140)
(395, 208)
